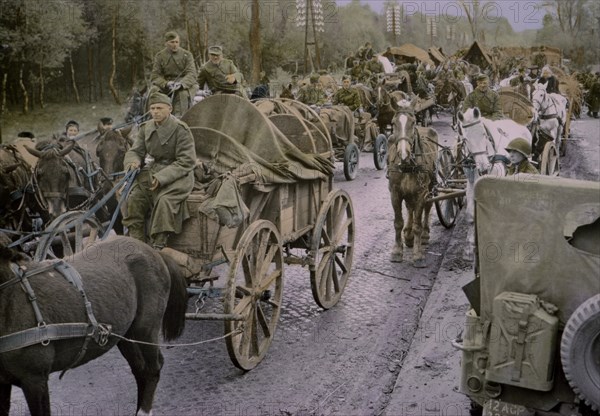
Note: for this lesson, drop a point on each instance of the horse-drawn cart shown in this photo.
(263, 198)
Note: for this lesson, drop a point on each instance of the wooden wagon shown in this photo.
(264, 198)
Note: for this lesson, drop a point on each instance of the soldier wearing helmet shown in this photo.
(519, 151)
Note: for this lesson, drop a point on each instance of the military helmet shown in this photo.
(314, 78)
(520, 145)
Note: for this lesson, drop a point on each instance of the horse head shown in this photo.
(111, 150)
(475, 138)
(404, 131)
(137, 106)
(52, 176)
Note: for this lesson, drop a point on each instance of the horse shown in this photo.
(387, 105)
(483, 142)
(62, 314)
(15, 195)
(138, 104)
(411, 174)
(550, 115)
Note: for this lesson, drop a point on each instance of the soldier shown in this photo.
(519, 151)
(367, 52)
(593, 97)
(484, 98)
(71, 129)
(349, 62)
(174, 73)
(220, 74)
(347, 95)
(165, 150)
(312, 94)
(550, 80)
(357, 73)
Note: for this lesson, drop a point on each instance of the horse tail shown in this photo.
(174, 317)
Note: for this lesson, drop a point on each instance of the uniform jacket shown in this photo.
(311, 95)
(488, 103)
(214, 76)
(176, 66)
(348, 97)
(374, 67)
(524, 167)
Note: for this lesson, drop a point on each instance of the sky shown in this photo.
(522, 14)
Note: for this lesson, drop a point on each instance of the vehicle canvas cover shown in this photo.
(538, 235)
(232, 134)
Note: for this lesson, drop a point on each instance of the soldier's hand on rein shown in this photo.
(176, 86)
(132, 166)
(155, 184)
(170, 85)
(230, 78)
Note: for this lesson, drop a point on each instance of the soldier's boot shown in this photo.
(159, 240)
(137, 232)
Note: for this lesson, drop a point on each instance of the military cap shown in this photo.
(314, 78)
(483, 77)
(159, 98)
(519, 145)
(215, 50)
(346, 78)
(26, 134)
(71, 123)
(106, 120)
(170, 36)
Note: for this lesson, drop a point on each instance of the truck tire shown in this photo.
(580, 351)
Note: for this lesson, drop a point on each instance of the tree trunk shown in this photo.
(25, 94)
(3, 102)
(111, 81)
(90, 71)
(255, 42)
(73, 83)
(99, 74)
(42, 86)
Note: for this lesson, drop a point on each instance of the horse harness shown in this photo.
(469, 161)
(43, 333)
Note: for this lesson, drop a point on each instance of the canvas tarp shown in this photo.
(412, 51)
(538, 235)
(232, 134)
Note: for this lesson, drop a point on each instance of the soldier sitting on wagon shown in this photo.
(519, 151)
(484, 98)
(312, 94)
(174, 73)
(220, 74)
(347, 95)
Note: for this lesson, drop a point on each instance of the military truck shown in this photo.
(531, 341)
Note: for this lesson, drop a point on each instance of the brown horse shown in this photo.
(15, 178)
(411, 174)
(133, 292)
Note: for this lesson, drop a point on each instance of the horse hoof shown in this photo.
(396, 258)
(419, 263)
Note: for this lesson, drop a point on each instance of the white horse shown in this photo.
(550, 113)
(483, 142)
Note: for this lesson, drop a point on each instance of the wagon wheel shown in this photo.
(68, 234)
(580, 349)
(254, 291)
(351, 160)
(380, 150)
(446, 173)
(550, 164)
(332, 249)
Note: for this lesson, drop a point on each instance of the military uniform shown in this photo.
(524, 167)
(348, 97)
(214, 75)
(358, 74)
(178, 66)
(311, 95)
(593, 98)
(488, 103)
(172, 146)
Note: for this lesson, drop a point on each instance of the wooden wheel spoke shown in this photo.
(268, 260)
(342, 229)
(263, 243)
(249, 265)
(341, 264)
(266, 283)
(263, 321)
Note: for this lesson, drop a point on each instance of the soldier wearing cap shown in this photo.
(358, 73)
(519, 151)
(220, 74)
(166, 153)
(484, 98)
(71, 129)
(312, 94)
(347, 95)
(174, 73)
